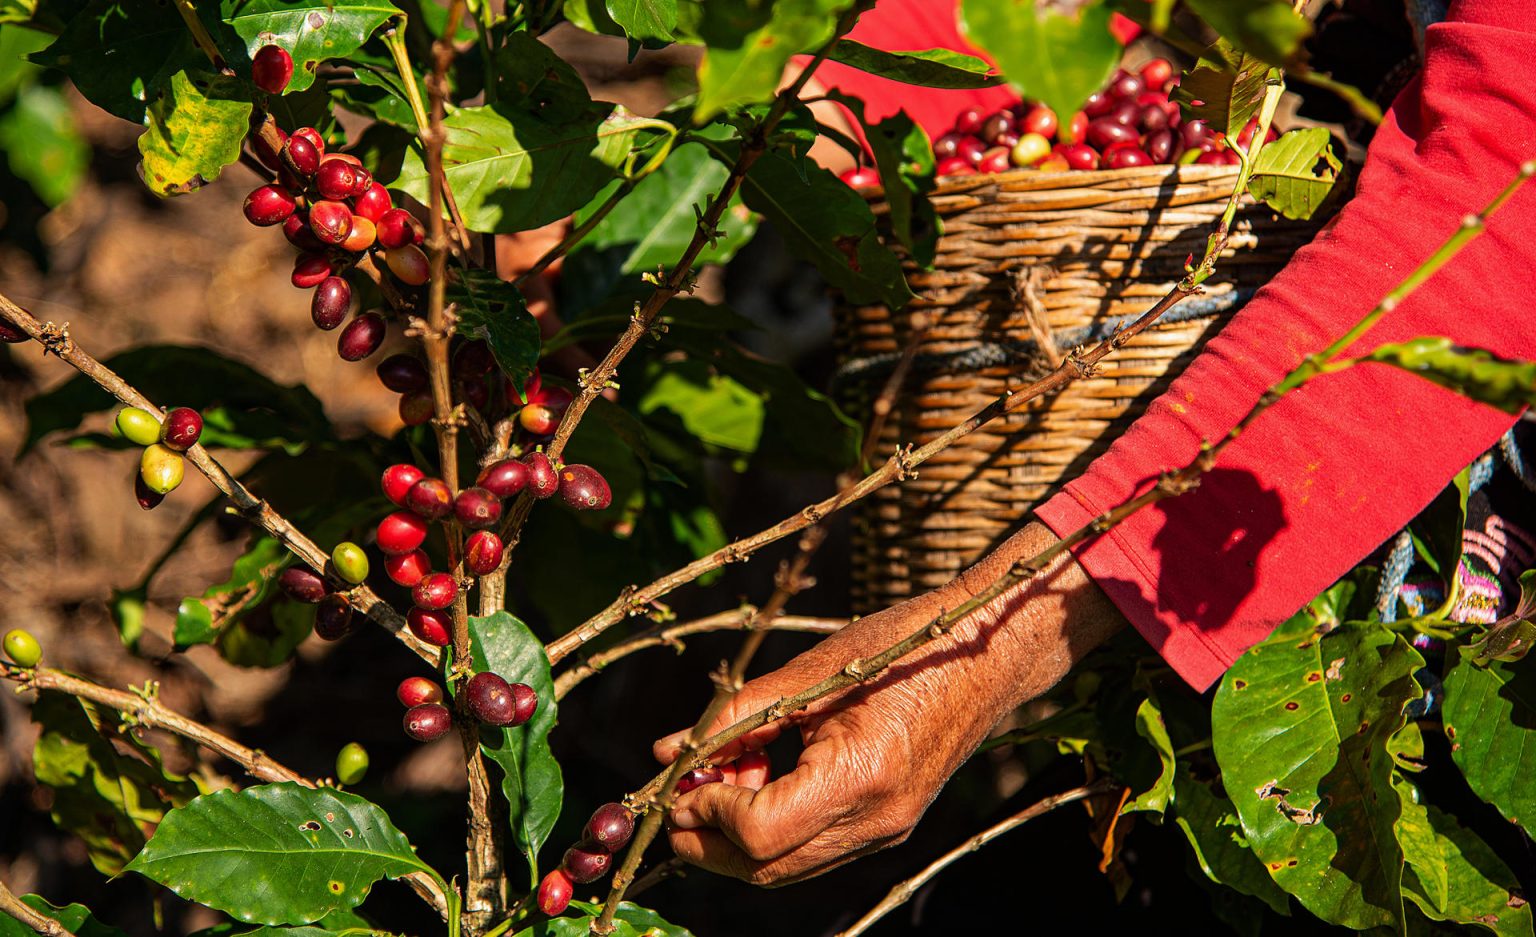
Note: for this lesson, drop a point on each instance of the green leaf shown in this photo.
(1150, 726)
(1300, 725)
(1269, 29)
(1055, 53)
(1510, 638)
(1296, 174)
(492, 310)
(276, 853)
(539, 80)
(197, 124)
(904, 156)
(631, 921)
(378, 93)
(747, 47)
(929, 68)
(313, 31)
(825, 222)
(512, 171)
(107, 786)
(530, 774)
(1452, 874)
(1490, 720)
(1210, 823)
(17, 44)
(712, 406)
(644, 20)
(1472, 372)
(76, 918)
(1224, 89)
(200, 620)
(41, 143)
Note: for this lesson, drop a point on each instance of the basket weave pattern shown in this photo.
(1029, 265)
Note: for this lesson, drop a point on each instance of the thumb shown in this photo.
(757, 695)
(766, 823)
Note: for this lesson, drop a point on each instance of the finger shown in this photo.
(752, 770)
(713, 850)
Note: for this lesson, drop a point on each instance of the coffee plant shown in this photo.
(394, 145)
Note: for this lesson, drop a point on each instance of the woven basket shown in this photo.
(1031, 265)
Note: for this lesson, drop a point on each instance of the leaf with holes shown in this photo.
(1296, 174)
(748, 46)
(276, 853)
(197, 124)
(928, 68)
(1056, 53)
(1210, 823)
(1270, 29)
(531, 777)
(512, 171)
(313, 31)
(1490, 720)
(1510, 638)
(492, 310)
(1224, 88)
(1300, 727)
(904, 157)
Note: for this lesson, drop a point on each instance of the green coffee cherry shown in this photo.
(351, 763)
(22, 648)
(350, 562)
(137, 426)
(161, 468)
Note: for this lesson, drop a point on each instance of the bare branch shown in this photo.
(43, 924)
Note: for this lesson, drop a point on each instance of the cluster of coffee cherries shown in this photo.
(161, 467)
(332, 210)
(333, 618)
(488, 696)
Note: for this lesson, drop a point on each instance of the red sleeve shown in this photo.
(1334, 469)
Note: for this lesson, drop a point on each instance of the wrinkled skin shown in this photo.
(877, 754)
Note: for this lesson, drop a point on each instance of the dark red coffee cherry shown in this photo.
(11, 334)
(428, 722)
(948, 146)
(414, 691)
(269, 205)
(362, 337)
(996, 125)
(148, 498)
(1194, 132)
(296, 230)
(331, 221)
(302, 154)
(527, 700)
(302, 585)
(333, 618)
(1098, 104)
(586, 863)
(1125, 85)
(407, 569)
(397, 228)
(583, 488)
(398, 480)
(1125, 157)
(336, 179)
(436, 591)
(1159, 145)
(314, 138)
(611, 827)
(181, 428)
(310, 270)
(373, 203)
(490, 699)
(271, 69)
(433, 627)
(1104, 132)
(402, 532)
(698, 777)
(473, 359)
(504, 479)
(402, 374)
(474, 392)
(331, 302)
(969, 121)
(431, 498)
(555, 892)
(543, 481)
(970, 149)
(477, 508)
(482, 552)
(417, 407)
(1078, 155)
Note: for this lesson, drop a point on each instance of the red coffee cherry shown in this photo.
(398, 480)
(362, 337)
(414, 691)
(302, 154)
(333, 618)
(1078, 155)
(397, 228)
(336, 178)
(373, 203)
(269, 205)
(401, 532)
(148, 498)
(860, 177)
(417, 407)
(402, 373)
(490, 699)
(331, 302)
(271, 69)
(969, 121)
(1155, 74)
(543, 481)
(302, 585)
(586, 863)
(583, 488)
(428, 722)
(181, 428)
(611, 827)
(436, 591)
(314, 138)
(430, 498)
(954, 166)
(527, 700)
(1125, 157)
(1040, 119)
(477, 508)
(1104, 132)
(310, 270)
(555, 892)
(504, 479)
(407, 569)
(433, 627)
(296, 230)
(331, 221)
(698, 777)
(482, 552)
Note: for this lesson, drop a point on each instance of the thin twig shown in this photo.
(577, 233)
(56, 340)
(43, 924)
(395, 41)
(659, 873)
(903, 891)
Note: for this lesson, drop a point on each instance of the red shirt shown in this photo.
(1334, 469)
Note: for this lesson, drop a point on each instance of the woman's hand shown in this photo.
(877, 754)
